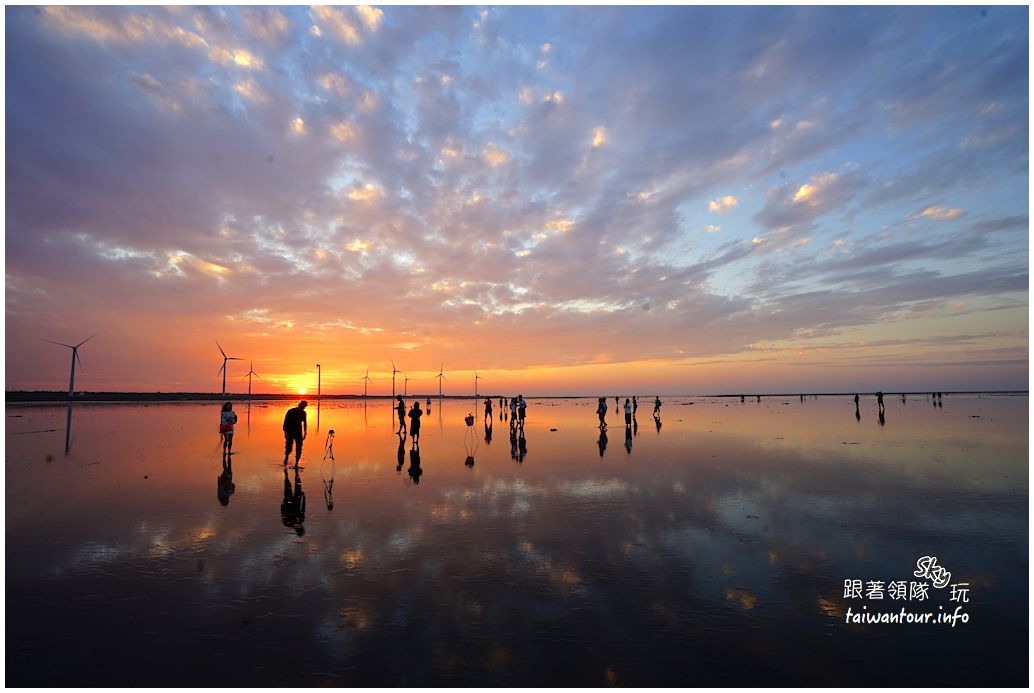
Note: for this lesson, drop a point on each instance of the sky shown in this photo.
(566, 200)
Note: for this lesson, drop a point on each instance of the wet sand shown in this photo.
(711, 550)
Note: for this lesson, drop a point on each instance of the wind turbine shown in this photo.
(223, 369)
(319, 377)
(75, 357)
(251, 372)
(393, 372)
(476, 379)
(367, 379)
(405, 392)
(441, 377)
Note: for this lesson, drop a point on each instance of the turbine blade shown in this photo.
(221, 350)
(86, 340)
(221, 368)
(58, 343)
(233, 358)
(75, 355)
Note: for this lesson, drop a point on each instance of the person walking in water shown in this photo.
(635, 404)
(879, 401)
(656, 405)
(400, 408)
(296, 428)
(522, 410)
(601, 411)
(227, 419)
(414, 427)
(628, 413)
(488, 409)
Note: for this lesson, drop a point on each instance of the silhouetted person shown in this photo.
(879, 400)
(601, 411)
(513, 411)
(292, 509)
(227, 419)
(488, 409)
(400, 409)
(903, 400)
(759, 399)
(602, 442)
(296, 428)
(414, 464)
(522, 410)
(743, 398)
(802, 398)
(224, 484)
(856, 401)
(414, 421)
(401, 452)
(628, 439)
(628, 413)
(635, 404)
(656, 406)
(617, 402)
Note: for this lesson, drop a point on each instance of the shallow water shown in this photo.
(709, 549)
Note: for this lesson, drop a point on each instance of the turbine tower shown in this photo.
(476, 379)
(393, 372)
(367, 379)
(223, 369)
(251, 372)
(441, 377)
(319, 377)
(75, 357)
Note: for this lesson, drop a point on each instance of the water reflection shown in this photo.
(401, 452)
(415, 471)
(292, 509)
(730, 538)
(224, 484)
(328, 468)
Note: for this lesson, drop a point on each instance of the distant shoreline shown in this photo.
(47, 397)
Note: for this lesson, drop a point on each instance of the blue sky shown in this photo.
(704, 198)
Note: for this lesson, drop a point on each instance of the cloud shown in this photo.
(494, 156)
(722, 204)
(399, 151)
(790, 206)
(941, 213)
